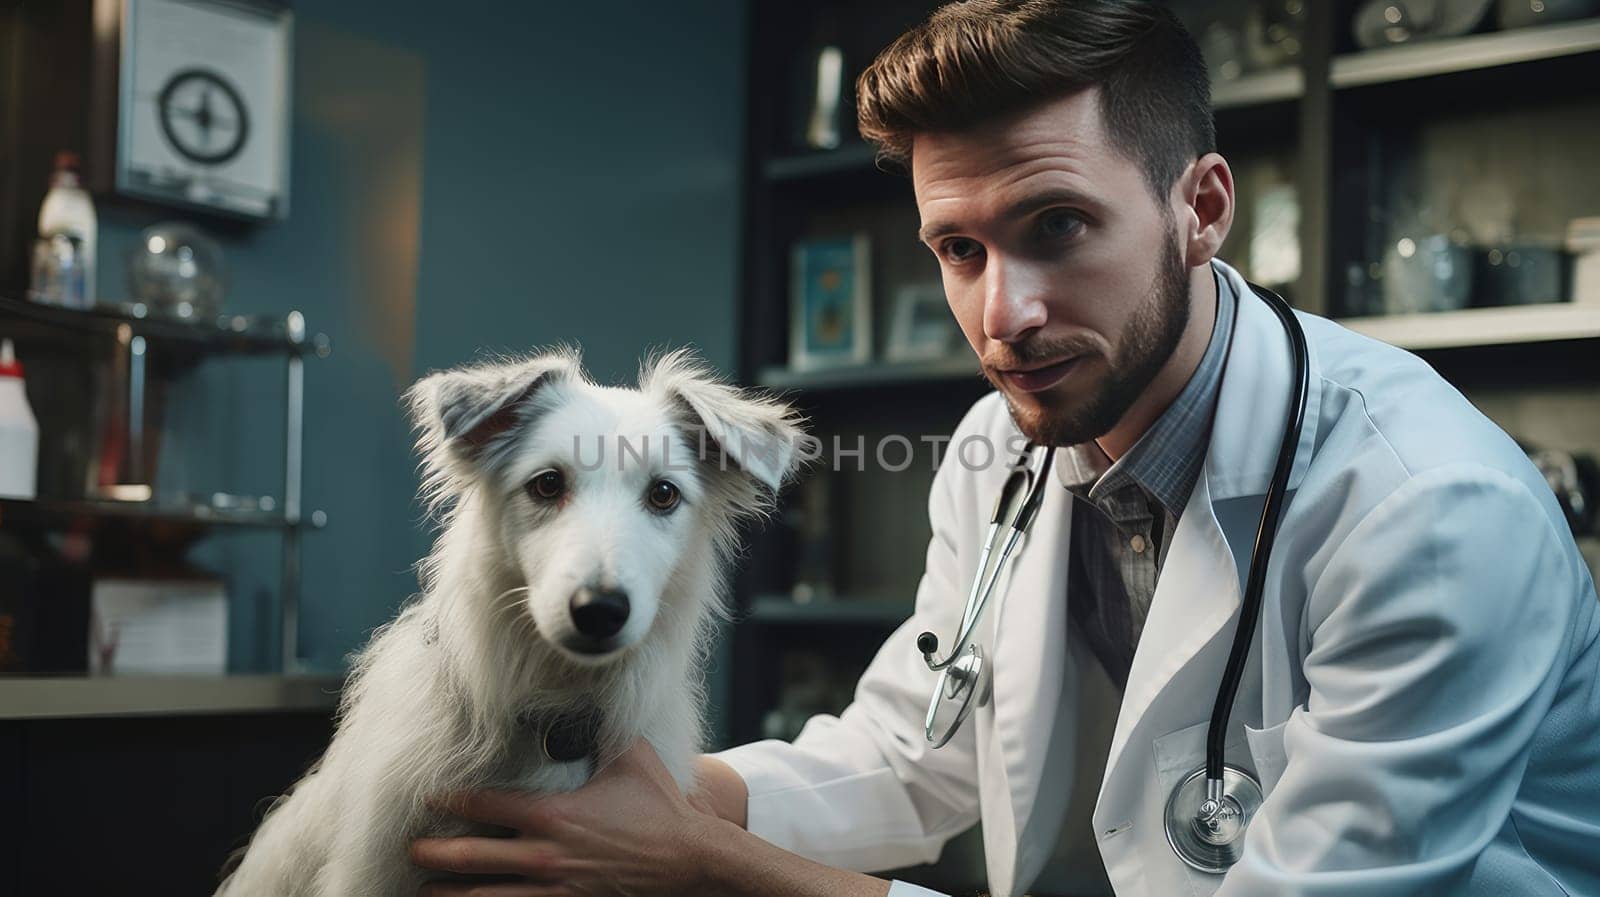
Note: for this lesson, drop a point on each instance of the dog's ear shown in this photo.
(759, 434)
(460, 413)
(467, 408)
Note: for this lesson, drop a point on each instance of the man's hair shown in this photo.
(975, 61)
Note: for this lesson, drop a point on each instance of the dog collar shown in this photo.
(572, 736)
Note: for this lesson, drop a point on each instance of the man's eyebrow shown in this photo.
(1022, 208)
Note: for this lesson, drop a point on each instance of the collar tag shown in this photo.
(571, 737)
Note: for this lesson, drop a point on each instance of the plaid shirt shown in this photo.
(1126, 512)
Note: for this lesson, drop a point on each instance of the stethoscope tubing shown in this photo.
(1033, 480)
(1266, 535)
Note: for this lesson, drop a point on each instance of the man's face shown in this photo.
(1064, 273)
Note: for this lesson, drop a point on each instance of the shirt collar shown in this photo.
(1167, 460)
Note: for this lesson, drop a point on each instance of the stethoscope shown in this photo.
(1208, 811)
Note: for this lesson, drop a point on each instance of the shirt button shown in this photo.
(1138, 544)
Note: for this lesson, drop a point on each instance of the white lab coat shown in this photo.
(1422, 703)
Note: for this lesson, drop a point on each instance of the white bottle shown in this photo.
(68, 210)
(19, 432)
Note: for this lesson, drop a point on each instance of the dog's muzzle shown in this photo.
(598, 615)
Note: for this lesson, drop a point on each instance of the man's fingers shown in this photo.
(507, 809)
(486, 856)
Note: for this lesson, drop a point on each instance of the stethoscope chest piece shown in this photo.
(1206, 828)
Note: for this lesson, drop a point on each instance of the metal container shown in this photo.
(1522, 13)
(1384, 23)
(1521, 274)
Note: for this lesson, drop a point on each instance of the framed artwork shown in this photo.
(830, 303)
(922, 328)
(203, 105)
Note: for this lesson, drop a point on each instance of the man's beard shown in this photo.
(1148, 340)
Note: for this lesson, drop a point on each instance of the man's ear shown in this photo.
(460, 413)
(1207, 206)
(757, 433)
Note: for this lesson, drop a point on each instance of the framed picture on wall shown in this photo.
(203, 104)
(922, 328)
(830, 302)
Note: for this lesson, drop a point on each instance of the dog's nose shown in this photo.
(599, 613)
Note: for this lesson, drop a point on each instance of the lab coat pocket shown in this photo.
(1178, 754)
(1266, 749)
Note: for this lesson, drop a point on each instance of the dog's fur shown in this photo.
(439, 701)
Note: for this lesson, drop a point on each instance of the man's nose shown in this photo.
(1013, 299)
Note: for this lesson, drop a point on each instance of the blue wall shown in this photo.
(465, 176)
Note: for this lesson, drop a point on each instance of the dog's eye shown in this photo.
(663, 496)
(547, 485)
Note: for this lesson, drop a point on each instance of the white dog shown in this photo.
(566, 608)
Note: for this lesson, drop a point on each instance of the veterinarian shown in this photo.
(1419, 699)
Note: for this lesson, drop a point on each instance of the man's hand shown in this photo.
(720, 790)
(628, 831)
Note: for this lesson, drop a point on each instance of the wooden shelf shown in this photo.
(852, 158)
(778, 610)
(1483, 326)
(1460, 54)
(42, 697)
(881, 374)
(1255, 89)
(1260, 88)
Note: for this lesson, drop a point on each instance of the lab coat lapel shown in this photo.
(1197, 594)
(1256, 384)
(1030, 635)
(1199, 591)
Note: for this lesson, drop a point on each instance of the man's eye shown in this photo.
(1058, 223)
(959, 249)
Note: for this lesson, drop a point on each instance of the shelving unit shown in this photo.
(867, 375)
(853, 159)
(60, 697)
(1462, 54)
(780, 610)
(228, 334)
(1259, 88)
(1470, 327)
(134, 337)
(62, 513)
